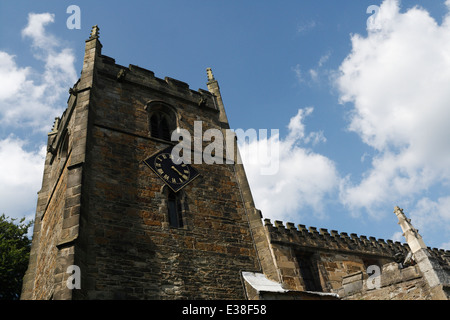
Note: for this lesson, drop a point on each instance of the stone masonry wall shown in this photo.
(50, 233)
(101, 209)
(132, 253)
(394, 283)
(340, 264)
(58, 213)
(332, 255)
(54, 206)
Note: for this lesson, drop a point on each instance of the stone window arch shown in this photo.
(174, 206)
(162, 119)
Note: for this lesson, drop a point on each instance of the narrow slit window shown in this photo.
(175, 210)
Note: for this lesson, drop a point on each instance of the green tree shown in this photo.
(14, 254)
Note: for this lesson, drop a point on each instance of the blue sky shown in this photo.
(361, 108)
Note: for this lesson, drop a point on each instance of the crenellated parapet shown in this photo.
(442, 257)
(138, 76)
(322, 239)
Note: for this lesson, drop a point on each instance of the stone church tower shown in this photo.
(119, 218)
(116, 219)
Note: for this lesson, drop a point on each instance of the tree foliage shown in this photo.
(14, 255)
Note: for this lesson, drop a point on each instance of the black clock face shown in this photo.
(176, 175)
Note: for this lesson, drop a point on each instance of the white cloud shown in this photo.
(314, 73)
(396, 80)
(36, 30)
(445, 246)
(398, 236)
(12, 78)
(27, 98)
(298, 73)
(306, 26)
(297, 129)
(29, 101)
(432, 216)
(21, 177)
(304, 179)
(323, 59)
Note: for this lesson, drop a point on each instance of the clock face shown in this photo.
(175, 175)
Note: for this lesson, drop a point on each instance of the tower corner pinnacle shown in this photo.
(210, 74)
(411, 234)
(95, 33)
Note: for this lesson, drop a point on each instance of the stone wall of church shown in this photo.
(312, 260)
(132, 252)
(103, 210)
(58, 207)
(51, 226)
(393, 283)
(354, 267)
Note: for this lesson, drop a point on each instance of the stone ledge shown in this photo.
(66, 242)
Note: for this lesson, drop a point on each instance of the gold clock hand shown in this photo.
(176, 170)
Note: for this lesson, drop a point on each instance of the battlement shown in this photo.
(323, 240)
(136, 75)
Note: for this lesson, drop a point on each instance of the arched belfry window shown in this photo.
(162, 120)
(159, 126)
